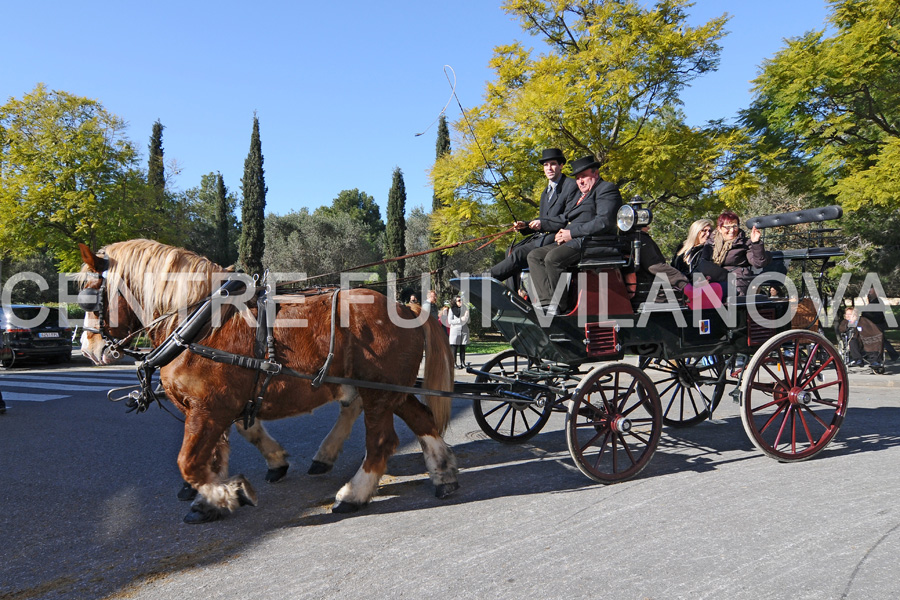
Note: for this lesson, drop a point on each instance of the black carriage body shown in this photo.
(604, 327)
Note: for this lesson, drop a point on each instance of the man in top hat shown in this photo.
(560, 193)
(593, 213)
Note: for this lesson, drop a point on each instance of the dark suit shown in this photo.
(550, 209)
(594, 215)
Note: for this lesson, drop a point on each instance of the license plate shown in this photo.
(49, 334)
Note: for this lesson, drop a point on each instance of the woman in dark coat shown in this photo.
(688, 255)
(730, 250)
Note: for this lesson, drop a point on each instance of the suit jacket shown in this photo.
(595, 215)
(567, 194)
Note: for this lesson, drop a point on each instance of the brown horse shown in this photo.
(145, 283)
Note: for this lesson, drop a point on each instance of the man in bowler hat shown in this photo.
(560, 193)
(593, 213)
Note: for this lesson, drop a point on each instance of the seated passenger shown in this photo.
(864, 338)
(560, 194)
(688, 256)
(653, 264)
(730, 250)
(594, 213)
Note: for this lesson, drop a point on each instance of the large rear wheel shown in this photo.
(614, 423)
(794, 395)
(511, 421)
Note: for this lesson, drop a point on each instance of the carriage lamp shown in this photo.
(633, 216)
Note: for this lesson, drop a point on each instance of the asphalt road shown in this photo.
(89, 511)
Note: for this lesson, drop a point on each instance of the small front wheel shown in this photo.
(794, 395)
(614, 423)
(511, 421)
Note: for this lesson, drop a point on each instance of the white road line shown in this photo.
(17, 397)
(58, 386)
(12, 379)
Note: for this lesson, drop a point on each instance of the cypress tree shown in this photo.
(156, 171)
(222, 247)
(436, 260)
(395, 228)
(253, 207)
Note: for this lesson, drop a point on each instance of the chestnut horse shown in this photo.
(145, 283)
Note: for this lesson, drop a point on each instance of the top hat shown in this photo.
(552, 154)
(584, 163)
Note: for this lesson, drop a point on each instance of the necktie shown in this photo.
(580, 199)
(550, 189)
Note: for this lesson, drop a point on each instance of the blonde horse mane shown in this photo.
(158, 279)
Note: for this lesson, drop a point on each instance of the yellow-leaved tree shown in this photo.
(606, 83)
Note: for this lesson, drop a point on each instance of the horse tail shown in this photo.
(439, 371)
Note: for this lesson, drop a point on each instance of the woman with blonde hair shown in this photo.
(688, 255)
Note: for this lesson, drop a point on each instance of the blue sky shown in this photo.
(340, 90)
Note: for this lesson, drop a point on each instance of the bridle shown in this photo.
(94, 300)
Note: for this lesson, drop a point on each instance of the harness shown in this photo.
(264, 361)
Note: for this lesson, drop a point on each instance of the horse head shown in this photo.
(108, 318)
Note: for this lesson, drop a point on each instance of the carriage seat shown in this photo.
(604, 252)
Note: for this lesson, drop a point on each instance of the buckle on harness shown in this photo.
(270, 367)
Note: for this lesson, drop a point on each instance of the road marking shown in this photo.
(17, 397)
(60, 383)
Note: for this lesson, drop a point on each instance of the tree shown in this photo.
(317, 244)
(67, 175)
(253, 207)
(608, 85)
(225, 252)
(436, 260)
(156, 174)
(360, 207)
(827, 119)
(395, 230)
(212, 228)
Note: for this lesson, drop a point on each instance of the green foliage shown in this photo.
(156, 174)
(360, 207)
(607, 85)
(253, 186)
(436, 260)
(317, 243)
(832, 104)
(27, 290)
(67, 175)
(212, 226)
(418, 239)
(395, 229)
(826, 115)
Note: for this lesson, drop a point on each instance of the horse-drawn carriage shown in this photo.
(291, 357)
(793, 392)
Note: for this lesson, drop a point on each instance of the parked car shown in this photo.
(22, 337)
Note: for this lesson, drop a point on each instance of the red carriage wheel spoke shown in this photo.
(614, 423)
(785, 414)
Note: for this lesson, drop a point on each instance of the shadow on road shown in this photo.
(89, 506)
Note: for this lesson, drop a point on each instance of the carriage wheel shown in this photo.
(509, 421)
(690, 388)
(7, 358)
(794, 395)
(614, 423)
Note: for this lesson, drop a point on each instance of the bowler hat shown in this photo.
(583, 163)
(553, 154)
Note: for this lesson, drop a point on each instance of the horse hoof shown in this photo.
(187, 493)
(244, 499)
(344, 507)
(278, 474)
(318, 468)
(198, 516)
(445, 490)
